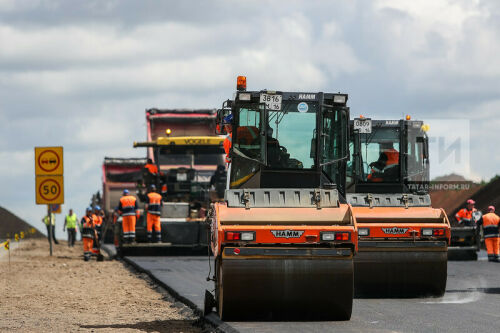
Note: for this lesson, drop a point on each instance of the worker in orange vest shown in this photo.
(388, 156)
(97, 217)
(154, 203)
(152, 168)
(88, 234)
(464, 215)
(129, 211)
(490, 222)
(228, 141)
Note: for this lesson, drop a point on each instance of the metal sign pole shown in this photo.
(49, 214)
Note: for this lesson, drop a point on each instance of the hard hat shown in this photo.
(89, 209)
(470, 202)
(228, 119)
(152, 187)
(125, 191)
(491, 208)
(97, 207)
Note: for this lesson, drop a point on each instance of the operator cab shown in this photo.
(389, 156)
(288, 139)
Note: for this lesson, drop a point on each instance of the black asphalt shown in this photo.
(471, 302)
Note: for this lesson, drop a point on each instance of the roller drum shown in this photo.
(285, 288)
(400, 272)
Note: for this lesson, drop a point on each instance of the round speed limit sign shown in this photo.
(50, 190)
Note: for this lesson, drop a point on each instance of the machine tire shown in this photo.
(209, 303)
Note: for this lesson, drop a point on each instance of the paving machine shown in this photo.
(187, 194)
(402, 239)
(284, 238)
(465, 240)
(191, 173)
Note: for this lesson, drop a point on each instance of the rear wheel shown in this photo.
(219, 291)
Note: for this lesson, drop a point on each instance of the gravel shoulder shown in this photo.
(63, 293)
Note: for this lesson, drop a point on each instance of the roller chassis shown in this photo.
(282, 279)
(395, 257)
(284, 239)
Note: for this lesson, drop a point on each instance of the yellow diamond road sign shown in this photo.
(49, 161)
(49, 190)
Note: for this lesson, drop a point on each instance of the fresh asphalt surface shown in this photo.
(471, 302)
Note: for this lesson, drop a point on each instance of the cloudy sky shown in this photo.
(81, 73)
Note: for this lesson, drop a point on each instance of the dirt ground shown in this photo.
(63, 293)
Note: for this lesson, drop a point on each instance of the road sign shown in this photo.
(56, 208)
(49, 161)
(49, 190)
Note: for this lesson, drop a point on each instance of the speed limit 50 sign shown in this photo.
(49, 190)
(49, 170)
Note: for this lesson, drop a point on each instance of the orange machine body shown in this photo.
(309, 222)
(400, 223)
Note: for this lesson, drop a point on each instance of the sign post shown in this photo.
(49, 173)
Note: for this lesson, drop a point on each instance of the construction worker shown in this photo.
(388, 157)
(490, 222)
(70, 222)
(98, 219)
(228, 141)
(154, 203)
(130, 213)
(88, 234)
(464, 215)
(50, 223)
(152, 168)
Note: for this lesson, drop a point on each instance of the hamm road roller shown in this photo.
(402, 239)
(284, 237)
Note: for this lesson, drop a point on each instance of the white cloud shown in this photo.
(80, 74)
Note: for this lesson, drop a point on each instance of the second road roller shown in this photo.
(284, 237)
(403, 240)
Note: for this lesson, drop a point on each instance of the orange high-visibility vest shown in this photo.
(392, 157)
(464, 214)
(228, 142)
(490, 225)
(152, 168)
(128, 206)
(87, 227)
(154, 202)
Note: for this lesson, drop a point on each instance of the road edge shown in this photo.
(212, 319)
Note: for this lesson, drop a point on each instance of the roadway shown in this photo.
(471, 302)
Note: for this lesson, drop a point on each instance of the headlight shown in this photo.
(247, 235)
(426, 232)
(244, 96)
(327, 236)
(363, 231)
(339, 99)
(182, 177)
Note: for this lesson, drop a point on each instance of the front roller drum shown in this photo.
(285, 288)
(400, 272)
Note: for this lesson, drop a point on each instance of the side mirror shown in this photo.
(219, 127)
(312, 153)
(425, 146)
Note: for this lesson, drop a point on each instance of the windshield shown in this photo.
(289, 136)
(379, 155)
(191, 155)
